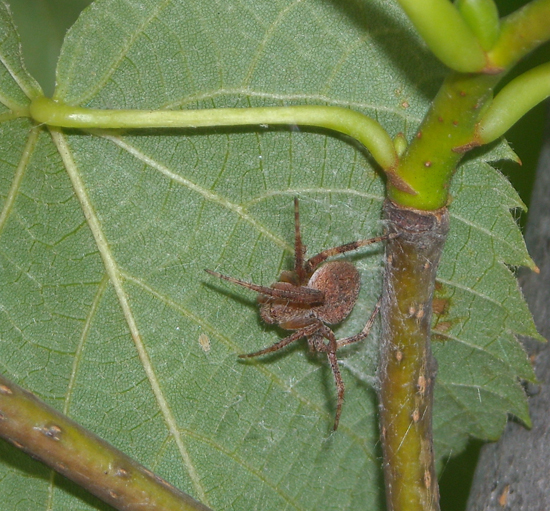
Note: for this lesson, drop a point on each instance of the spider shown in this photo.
(311, 297)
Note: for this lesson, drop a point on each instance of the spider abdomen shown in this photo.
(340, 282)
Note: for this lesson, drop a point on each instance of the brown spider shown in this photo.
(310, 297)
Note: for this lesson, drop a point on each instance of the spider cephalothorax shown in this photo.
(309, 298)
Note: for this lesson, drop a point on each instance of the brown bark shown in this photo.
(407, 368)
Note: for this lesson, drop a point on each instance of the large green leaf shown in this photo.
(105, 235)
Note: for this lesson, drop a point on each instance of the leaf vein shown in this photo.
(18, 176)
(207, 194)
(116, 280)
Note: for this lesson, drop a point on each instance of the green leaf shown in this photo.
(479, 310)
(17, 86)
(107, 234)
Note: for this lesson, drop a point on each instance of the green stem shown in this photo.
(362, 128)
(76, 453)
(407, 369)
(521, 32)
(482, 17)
(513, 102)
(446, 33)
(449, 129)
(431, 158)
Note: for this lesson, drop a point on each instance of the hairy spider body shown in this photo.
(311, 297)
(338, 281)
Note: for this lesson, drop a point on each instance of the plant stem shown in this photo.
(451, 127)
(521, 32)
(513, 102)
(407, 369)
(482, 17)
(344, 120)
(86, 459)
(446, 33)
(445, 134)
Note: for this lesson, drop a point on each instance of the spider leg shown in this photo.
(303, 332)
(339, 386)
(292, 293)
(366, 330)
(330, 350)
(312, 263)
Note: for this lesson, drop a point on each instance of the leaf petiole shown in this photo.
(513, 102)
(521, 32)
(343, 120)
(482, 17)
(435, 21)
